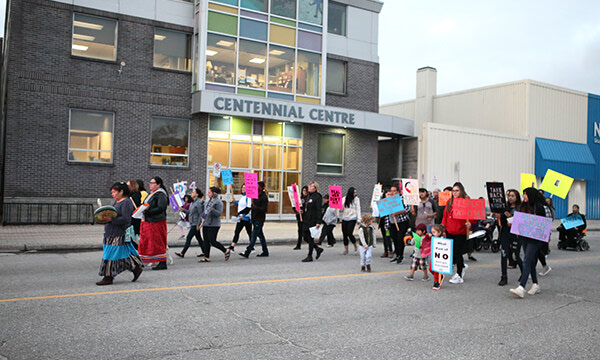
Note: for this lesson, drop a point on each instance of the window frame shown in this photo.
(189, 36)
(91, 57)
(328, 164)
(152, 153)
(345, 79)
(112, 145)
(345, 30)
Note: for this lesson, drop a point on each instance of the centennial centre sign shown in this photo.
(212, 102)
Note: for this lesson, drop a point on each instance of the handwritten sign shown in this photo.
(468, 209)
(496, 196)
(335, 197)
(527, 181)
(531, 226)
(377, 192)
(296, 197)
(572, 221)
(441, 255)
(557, 183)
(290, 192)
(410, 191)
(227, 177)
(216, 170)
(181, 188)
(251, 182)
(390, 205)
(444, 197)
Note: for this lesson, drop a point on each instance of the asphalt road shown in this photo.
(280, 308)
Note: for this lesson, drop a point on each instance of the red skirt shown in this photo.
(153, 241)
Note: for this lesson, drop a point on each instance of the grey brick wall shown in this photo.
(360, 162)
(44, 81)
(362, 86)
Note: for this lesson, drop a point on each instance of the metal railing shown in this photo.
(47, 213)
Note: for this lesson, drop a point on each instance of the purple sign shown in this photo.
(173, 202)
(531, 226)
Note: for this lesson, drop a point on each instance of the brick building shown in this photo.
(103, 91)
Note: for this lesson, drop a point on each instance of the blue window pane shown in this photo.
(281, 96)
(253, 29)
(293, 131)
(310, 27)
(258, 5)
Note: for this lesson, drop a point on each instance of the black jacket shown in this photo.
(312, 214)
(157, 211)
(259, 207)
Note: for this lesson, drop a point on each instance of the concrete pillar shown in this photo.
(426, 90)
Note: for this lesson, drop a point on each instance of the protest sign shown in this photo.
(572, 221)
(444, 197)
(390, 205)
(290, 192)
(496, 196)
(441, 255)
(531, 226)
(528, 180)
(416, 240)
(173, 201)
(468, 209)
(335, 197)
(227, 177)
(296, 198)
(557, 183)
(181, 188)
(216, 170)
(410, 191)
(377, 191)
(251, 182)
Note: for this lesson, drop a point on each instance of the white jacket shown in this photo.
(352, 212)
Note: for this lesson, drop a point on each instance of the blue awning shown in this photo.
(572, 159)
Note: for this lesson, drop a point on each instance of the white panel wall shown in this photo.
(362, 36)
(405, 109)
(473, 157)
(500, 108)
(557, 113)
(577, 195)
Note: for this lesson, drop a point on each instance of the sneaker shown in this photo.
(355, 252)
(344, 253)
(329, 245)
(409, 277)
(307, 259)
(394, 259)
(297, 248)
(399, 261)
(245, 254)
(263, 255)
(425, 278)
(368, 268)
(472, 258)
(535, 288)
(464, 270)
(545, 271)
(252, 252)
(519, 292)
(436, 286)
(457, 280)
(363, 269)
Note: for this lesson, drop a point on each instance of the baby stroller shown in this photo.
(483, 235)
(576, 241)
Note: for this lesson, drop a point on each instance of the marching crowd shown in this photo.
(130, 241)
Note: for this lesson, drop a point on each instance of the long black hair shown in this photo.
(533, 198)
(349, 197)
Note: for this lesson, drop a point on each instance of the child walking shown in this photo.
(366, 235)
(438, 231)
(422, 252)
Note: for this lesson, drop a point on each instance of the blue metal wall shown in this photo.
(593, 186)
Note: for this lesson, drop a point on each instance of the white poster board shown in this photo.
(377, 191)
(410, 191)
(441, 255)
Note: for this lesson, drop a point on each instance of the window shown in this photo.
(281, 69)
(94, 37)
(336, 19)
(336, 76)
(258, 5)
(220, 59)
(330, 153)
(308, 75)
(285, 8)
(172, 50)
(90, 136)
(251, 67)
(310, 11)
(170, 141)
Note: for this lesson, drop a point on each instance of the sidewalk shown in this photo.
(89, 237)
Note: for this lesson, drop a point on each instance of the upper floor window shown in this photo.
(336, 76)
(90, 136)
(172, 50)
(94, 37)
(337, 19)
(285, 8)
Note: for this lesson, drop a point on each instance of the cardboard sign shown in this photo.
(335, 197)
(390, 205)
(290, 192)
(181, 188)
(572, 221)
(444, 197)
(173, 201)
(296, 197)
(468, 209)
(527, 181)
(531, 226)
(496, 196)
(251, 182)
(410, 191)
(216, 170)
(377, 192)
(557, 183)
(227, 177)
(441, 255)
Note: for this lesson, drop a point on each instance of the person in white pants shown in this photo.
(366, 235)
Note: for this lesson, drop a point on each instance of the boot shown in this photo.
(307, 259)
(368, 268)
(161, 266)
(503, 281)
(362, 269)
(319, 252)
(136, 273)
(107, 280)
(384, 255)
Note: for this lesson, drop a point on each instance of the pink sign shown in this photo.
(296, 197)
(251, 182)
(468, 209)
(335, 197)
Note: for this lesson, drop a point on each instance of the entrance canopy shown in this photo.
(572, 159)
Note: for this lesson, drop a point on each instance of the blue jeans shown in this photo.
(531, 248)
(257, 231)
